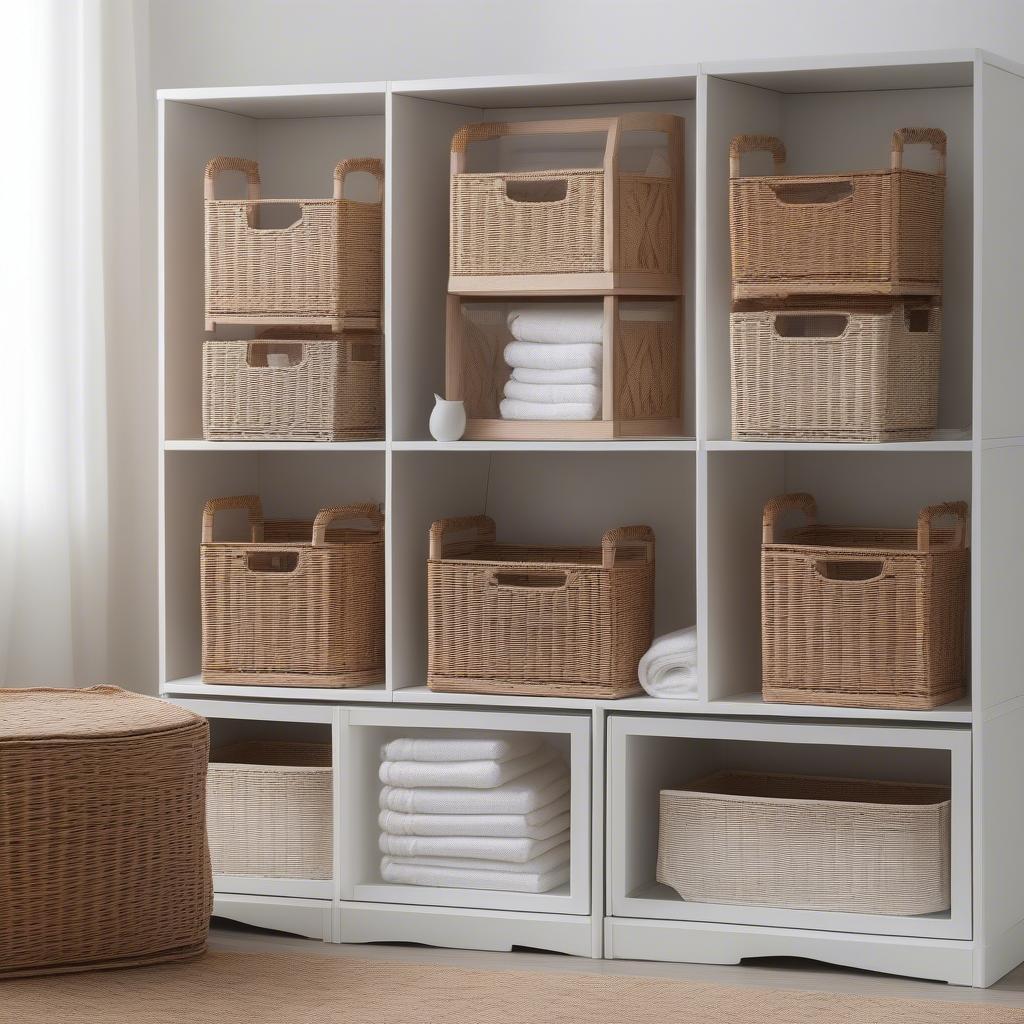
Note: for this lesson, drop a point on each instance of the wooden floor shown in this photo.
(773, 973)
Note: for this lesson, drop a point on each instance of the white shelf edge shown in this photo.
(681, 444)
(193, 686)
(259, 92)
(273, 446)
(956, 441)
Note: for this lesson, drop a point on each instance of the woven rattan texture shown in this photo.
(269, 810)
(333, 389)
(864, 618)
(876, 381)
(103, 851)
(841, 845)
(285, 611)
(565, 622)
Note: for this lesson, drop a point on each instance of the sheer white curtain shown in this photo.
(70, 182)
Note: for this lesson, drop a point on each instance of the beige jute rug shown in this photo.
(291, 988)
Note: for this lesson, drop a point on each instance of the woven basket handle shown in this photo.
(756, 144)
(934, 137)
(370, 164)
(802, 502)
(332, 513)
(249, 502)
(626, 537)
(219, 164)
(927, 516)
(482, 525)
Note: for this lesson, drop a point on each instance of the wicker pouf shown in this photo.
(103, 856)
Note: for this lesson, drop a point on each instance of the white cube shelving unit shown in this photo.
(702, 493)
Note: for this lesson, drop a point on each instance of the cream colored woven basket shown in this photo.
(268, 810)
(874, 232)
(804, 843)
(553, 622)
(873, 618)
(330, 388)
(325, 269)
(836, 370)
(296, 605)
(602, 227)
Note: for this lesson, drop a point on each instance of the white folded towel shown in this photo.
(586, 394)
(547, 861)
(463, 774)
(669, 668)
(562, 323)
(514, 409)
(582, 375)
(463, 878)
(527, 793)
(548, 821)
(461, 746)
(552, 357)
(515, 851)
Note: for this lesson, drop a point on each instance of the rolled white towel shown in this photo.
(461, 774)
(461, 746)
(514, 409)
(504, 849)
(561, 323)
(551, 357)
(539, 824)
(669, 668)
(413, 873)
(583, 394)
(583, 375)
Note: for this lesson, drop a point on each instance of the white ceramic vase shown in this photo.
(448, 420)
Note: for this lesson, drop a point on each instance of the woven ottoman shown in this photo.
(103, 856)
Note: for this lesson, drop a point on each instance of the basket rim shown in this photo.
(797, 802)
(832, 176)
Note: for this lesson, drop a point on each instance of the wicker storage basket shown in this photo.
(325, 269)
(268, 808)
(841, 845)
(297, 605)
(331, 388)
(864, 233)
(864, 617)
(541, 621)
(594, 229)
(848, 370)
(642, 377)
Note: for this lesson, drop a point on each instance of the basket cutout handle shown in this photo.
(248, 502)
(815, 325)
(626, 537)
(536, 191)
(799, 501)
(813, 193)
(934, 137)
(367, 164)
(334, 513)
(852, 571)
(534, 580)
(957, 511)
(219, 164)
(917, 317)
(259, 355)
(272, 563)
(481, 529)
(756, 144)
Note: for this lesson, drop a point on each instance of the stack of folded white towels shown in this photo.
(474, 811)
(556, 358)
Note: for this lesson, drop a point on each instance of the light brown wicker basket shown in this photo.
(268, 810)
(848, 369)
(325, 269)
(331, 387)
(856, 617)
(642, 376)
(805, 843)
(284, 610)
(539, 621)
(874, 232)
(595, 229)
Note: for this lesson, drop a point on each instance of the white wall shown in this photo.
(251, 42)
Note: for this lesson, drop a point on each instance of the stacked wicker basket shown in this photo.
(601, 234)
(317, 375)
